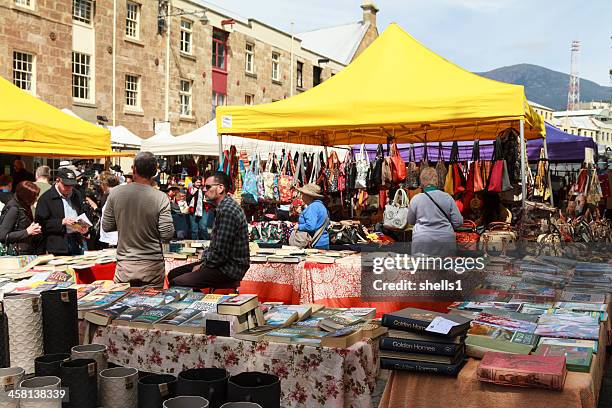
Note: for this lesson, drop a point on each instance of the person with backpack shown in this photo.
(17, 227)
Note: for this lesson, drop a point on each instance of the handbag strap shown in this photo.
(425, 158)
(440, 152)
(437, 205)
(319, 233)
(400, 194)
(476, 151)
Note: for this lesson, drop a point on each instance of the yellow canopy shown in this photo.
(396, 87)
(31, 127)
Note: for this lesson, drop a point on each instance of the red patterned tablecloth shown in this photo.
(310, 376)
(332, 285)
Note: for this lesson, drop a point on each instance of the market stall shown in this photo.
(31, 127)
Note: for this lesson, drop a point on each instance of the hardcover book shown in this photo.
(426, 358)
(409, 342)
(523, 371)
(569, 325)
(421, 366)
(501, 339)
(576, 358)
(237, 305)
(411, 319)
(553, 341)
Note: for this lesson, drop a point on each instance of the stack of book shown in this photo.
(424, 341)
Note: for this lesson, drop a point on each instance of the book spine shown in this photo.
(402, 323)
(419, 366)
(416, 346)
(520, 379)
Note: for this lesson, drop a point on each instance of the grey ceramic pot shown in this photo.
(40, 383)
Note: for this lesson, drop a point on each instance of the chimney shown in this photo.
(369, 12)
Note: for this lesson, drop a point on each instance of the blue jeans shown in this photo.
(199, 226)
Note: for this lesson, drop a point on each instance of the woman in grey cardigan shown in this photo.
(434, 215)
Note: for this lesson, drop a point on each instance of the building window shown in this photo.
(132, 91)
(185, 97)
(23, 71)
(81, 11)
(275, 66)
(316, 75)
(300, 76)
(81, 76)
(132, 20)
(218, 99)
(219, 50)
(186, 27)
(249, 58)
(249, 99)
(25, 3)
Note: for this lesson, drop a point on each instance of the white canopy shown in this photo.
(205, 142)
(121, 135)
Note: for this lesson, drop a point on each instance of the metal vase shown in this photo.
(24, 314)
(10, 378)
(253, 386)
(40, 383)
(96, 351)
(118, 387)
(80, 377)
(209, 383)
(186, 401)
(49, 364)
(154, 389)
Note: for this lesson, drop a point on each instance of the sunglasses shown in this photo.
(209, 186)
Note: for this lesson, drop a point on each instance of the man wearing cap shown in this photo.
(56, 212)
(314, 220)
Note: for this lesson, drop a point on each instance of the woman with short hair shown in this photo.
(17, 226)
(435, 216)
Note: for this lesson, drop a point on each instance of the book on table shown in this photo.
(175, 319)
(418, 320)
(128, 315)
(294, 334)
(280, 317)
(423, 357)
(411, 342)
(576, 358)
(339, 321)
(237, 305)
(555, 341)
(151, 316)
(104, 316)
(255, 333)
(523, 370)
(342, 338)
(422, 366)
(484, 337)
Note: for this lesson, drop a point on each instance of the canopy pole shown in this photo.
(523, 153)
(552, 200)
(220, 135)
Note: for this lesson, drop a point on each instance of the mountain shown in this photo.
(547, 87)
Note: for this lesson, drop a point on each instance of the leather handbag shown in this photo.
(467, 237)
(499, 180)
(412, 170)
(441, 168)
(499, 237)
(376, 168)
(362, 165)
(398, 167)
(396, 213)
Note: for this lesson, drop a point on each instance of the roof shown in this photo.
(583, 112)
(420, 96)
(29, 126)
(339, 43)
(578, 122)
(537, 105)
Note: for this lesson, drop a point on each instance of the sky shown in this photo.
(478, 35)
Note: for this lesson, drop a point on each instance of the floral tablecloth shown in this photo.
(310, 376)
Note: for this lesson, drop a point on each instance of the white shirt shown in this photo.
(69, 211)
(107, 237)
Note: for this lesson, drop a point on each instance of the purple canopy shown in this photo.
(562, 147)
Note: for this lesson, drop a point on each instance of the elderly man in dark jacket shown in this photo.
(56, 212)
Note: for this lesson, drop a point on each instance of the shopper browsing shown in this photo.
(17, 227)
(57, 212)
(434, 215)
(141, 216)
(227, 258)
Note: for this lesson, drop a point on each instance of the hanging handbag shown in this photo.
(7, 248)
(286, 180)
(270, 179)
(412, 170)
(441, 168)
(425, 159)
(475, 169)
(459, 181)
(332, 173)
(467, 237)
(396, 213)
(497, 178)
(499, 237)
(398, 167)
(362, 165)
(377, 165)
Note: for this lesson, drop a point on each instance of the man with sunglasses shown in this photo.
(227, 258)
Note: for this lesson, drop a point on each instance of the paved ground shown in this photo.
(605, 397)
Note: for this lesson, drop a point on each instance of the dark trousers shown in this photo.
(194, 275)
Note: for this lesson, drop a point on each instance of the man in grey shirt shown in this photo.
(141, 215)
